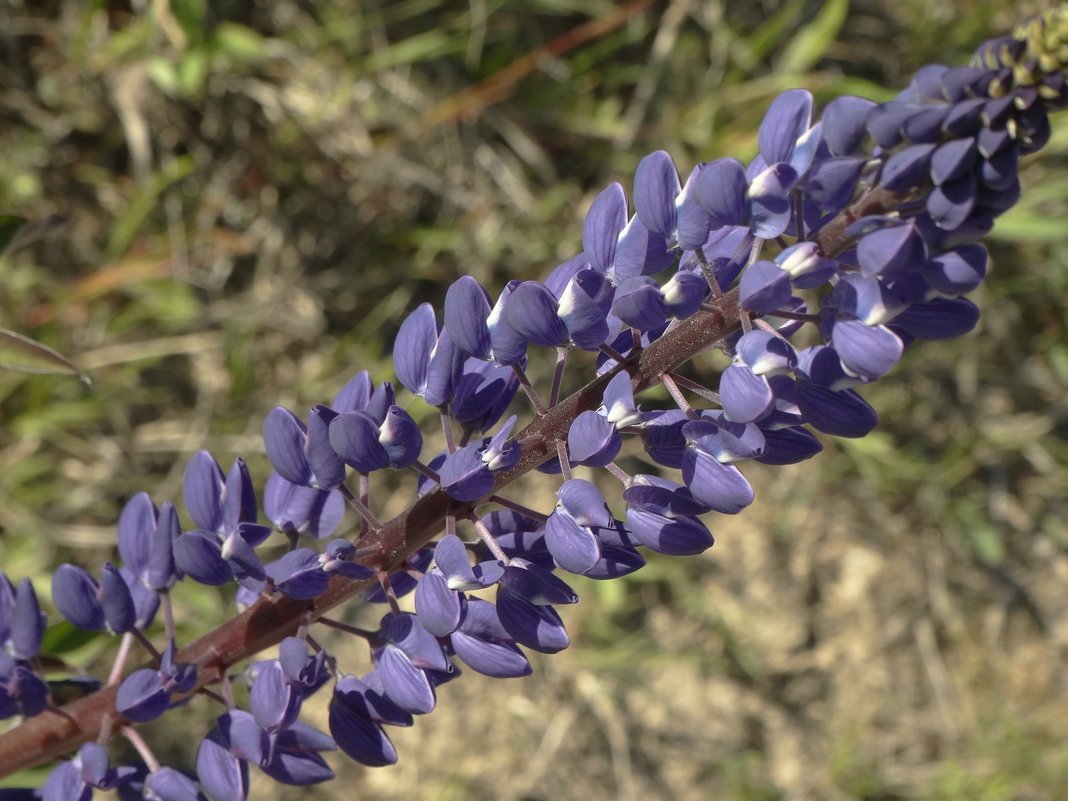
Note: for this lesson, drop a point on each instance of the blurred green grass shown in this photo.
(258, 192)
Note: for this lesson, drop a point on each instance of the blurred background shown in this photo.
(255, 194)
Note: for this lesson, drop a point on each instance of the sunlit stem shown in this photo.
(446, 429)
(679, 398)
(558, 376)
(528, 388)
(337, 624)
(519, 508)
(561, 454)
(695, 388)
(145, 643)
(168, 613)
(143, 751)
(619, 473)
(491, 543)
(360, 507)
(120, 659)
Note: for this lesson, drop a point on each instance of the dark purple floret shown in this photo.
(604, 222)
(297, 509)
(27, 623)
(354, 436)
(90, 768)
(484, 394)
(765, 287)
(467, 307)
(907, 168)
(656, 186)
(274, 700)
(284, 436)
(464, 476)
(788, 117)
(868, 351)
(720, 190)
(223, 775)
(532, 311)
(299, 574)
(440, 608)
(484, 644)
(592, 440)
(844, 124)
(843, 413)
(770, 209)
(744, 395)
(535, 626)
(357, 713)
(640, 304)
(169, 784)
(74, 593)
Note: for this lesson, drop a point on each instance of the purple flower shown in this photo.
(90, 768)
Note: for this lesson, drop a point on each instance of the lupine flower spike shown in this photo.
(860, 225)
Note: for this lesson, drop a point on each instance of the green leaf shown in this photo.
(812, 41)
(25, 355)
(63, 638)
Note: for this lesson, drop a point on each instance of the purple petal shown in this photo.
(537, 627)
(137, 520)
(406, 685)
(221, 774)
(354, 437)
(787, 118)
(744, 395)
(467, 307)
(356, 734)
(679, 536)
(160, 570)
(868, 351)
(400, 437)
(770, 210)
(116, 601)
(604, 221)
(584, 502)
(842, 414)
(656, 186)
(171, 785)
(440, 609)
(74, 593)
(202, 488)
(721, 191)
(844, 124)
(354, 395)
(284, 436)
(464, 476)
(532, 312)
(142, 697)
(592, 440)
(329, 470)
(720, 486)
(765, 287)
(411, 349)
(27, 623)
(272, 701)
(199, 555)
(574, 547)
(484, 645)
(304, 510)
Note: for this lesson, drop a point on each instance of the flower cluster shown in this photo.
(860, 228)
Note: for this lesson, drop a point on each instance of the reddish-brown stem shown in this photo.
(59, 731)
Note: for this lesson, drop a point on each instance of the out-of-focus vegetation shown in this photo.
(255, 194)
